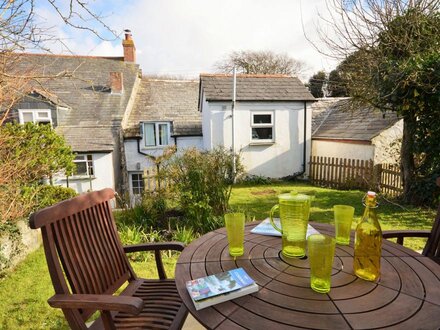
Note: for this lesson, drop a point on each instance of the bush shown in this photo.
(47, 195)
(202, 182)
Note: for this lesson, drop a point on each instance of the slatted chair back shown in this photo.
(83, 250)
(432, 247)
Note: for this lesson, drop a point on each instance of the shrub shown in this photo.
(202, 182)
(47, 195)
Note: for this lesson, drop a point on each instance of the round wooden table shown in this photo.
(407, 295)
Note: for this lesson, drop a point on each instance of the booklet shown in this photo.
(214, 289)
(265, 228)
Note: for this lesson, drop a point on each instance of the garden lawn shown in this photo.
(256, 202)
(24, 292)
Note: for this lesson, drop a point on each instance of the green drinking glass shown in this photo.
(235, 229)
(343, 219)
(321, 251)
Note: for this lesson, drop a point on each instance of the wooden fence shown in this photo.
(342, 173)
(151, 180)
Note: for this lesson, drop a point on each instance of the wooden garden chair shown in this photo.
(432, 247)
(87, 265)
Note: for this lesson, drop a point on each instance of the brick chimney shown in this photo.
(129, 47)
(116, 82)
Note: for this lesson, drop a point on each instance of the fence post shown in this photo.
(377, 174)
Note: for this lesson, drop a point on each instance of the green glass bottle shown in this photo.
(368, 242)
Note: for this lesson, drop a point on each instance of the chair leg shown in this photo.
(107, 320)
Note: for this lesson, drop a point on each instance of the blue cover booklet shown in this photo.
(218, 284)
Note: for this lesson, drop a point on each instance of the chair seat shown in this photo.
(163, 308)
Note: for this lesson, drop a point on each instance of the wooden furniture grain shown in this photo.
(432, 247)
(407, 296)
(87, 265)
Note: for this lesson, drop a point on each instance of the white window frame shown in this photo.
(157, 143)
(36, 118)
(90, 165)
(142, 183)
(265, 125)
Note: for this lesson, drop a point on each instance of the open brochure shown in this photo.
(265, 228)
(214, 289)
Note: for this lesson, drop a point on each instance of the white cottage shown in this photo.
(164, 113)
(272, 121)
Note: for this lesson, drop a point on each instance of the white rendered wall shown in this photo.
(342, 150)
(282, 158)
(103, 177)
(139, 162)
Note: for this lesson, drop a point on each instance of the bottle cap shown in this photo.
(371, 194)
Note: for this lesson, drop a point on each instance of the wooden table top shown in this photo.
(407, 295)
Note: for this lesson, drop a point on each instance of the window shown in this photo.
(262, 126)
(84, 165)
(156, 134)
(35, 116)
(137, 183)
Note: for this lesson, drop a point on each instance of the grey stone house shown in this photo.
(86, 107)
(341, 131)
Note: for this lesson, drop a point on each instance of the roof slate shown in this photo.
(167, 100)
(92, 109)
(337, 119)
(254, 88)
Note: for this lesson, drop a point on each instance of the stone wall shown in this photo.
(12, 251)
(387, 144)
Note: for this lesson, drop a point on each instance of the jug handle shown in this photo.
(272, 211)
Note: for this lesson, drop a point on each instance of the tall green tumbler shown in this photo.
(235, 230)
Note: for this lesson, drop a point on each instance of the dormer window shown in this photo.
(36, 116)
(156, 134)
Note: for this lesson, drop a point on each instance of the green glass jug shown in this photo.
(294, 211)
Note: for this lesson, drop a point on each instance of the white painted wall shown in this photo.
(282, 158)
(342, 150)
(103, 178)
(139, 162)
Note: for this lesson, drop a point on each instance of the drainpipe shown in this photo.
(305, 139)
(139, 147)
(234, 93)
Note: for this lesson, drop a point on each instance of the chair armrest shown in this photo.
(176, 246)
(400, 234)
(131, 305)
(157, 248)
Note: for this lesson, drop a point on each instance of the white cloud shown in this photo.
(187, 37)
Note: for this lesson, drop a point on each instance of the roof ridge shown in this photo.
(72, 56)
(246, 75)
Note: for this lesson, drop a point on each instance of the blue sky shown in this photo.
(187, 37)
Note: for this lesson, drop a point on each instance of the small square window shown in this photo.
(84, 165)
(262, 127)
(137, 183)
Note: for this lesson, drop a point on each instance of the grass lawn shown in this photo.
(24, 291)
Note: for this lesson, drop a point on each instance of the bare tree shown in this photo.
(389, 52)
(260, 62)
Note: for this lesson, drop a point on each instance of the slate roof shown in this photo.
(218, 87)
(337, 119)
(93, 111)
(167, 100)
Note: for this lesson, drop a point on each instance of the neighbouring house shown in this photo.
(165, 113)
(86, 107)
(272, 121)
(365, 133)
